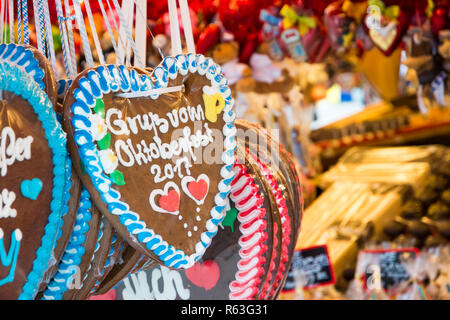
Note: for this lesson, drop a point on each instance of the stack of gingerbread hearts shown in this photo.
(251, 254)
(142, 172)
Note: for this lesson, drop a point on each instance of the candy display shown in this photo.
(224, 150)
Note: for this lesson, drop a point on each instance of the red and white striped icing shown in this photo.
(285, 225)
(249, 203)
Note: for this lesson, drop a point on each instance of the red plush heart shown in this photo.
(170, 202)
(204, 275)
(198, 189)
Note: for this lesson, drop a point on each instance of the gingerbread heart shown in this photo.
(386, 36)
(133, 142)
(33, 155)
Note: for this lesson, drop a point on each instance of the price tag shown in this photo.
(316, 266)
(385, 268)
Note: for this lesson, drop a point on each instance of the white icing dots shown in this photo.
(198, 210)
(180, 217)
(195, 228)
(185, 225)
(198, 218)
(189, 234)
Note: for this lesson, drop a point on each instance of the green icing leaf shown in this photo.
(230, 218)
(105, 143)
(100, 108)
(117, 178)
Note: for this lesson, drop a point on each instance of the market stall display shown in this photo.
(224, 149)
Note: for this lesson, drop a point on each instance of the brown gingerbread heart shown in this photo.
(146, 155)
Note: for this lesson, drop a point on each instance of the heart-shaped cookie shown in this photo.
(33, 148)
(78, 254)
(233, 267)
(127, 142)
(388, 36)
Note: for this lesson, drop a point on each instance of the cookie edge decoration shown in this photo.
(105, 79)
(74, 251)
(24, 59)
(249, 213)
(14, 79)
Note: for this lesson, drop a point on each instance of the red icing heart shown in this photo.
(198, 189)
(110, 295)
(204, 275)
(170, 202)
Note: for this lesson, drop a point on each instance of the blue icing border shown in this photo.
(17, 81)
(106, 79)
(67, 195)
(74, 251)
(24, 59)
(62, 86)
(108, 263)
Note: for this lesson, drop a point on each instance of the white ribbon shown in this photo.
(98, 47)
(159, 91)
(108, 26)
(84, 37)
(187, 25)
(12, 38)
(174, 28)
(141, 34)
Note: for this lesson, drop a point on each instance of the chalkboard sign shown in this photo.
(315, 265)
(385, 268)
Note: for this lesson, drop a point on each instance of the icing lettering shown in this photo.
(6, 200)
(172, 286)
(129, 154)
(9, 259)
(12, 149)
(151, 121)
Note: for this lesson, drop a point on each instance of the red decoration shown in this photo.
(198, 189)
(170, 202)
(209, 37)
(204, 275)
(439, 20)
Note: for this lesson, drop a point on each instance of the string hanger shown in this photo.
(175, 42)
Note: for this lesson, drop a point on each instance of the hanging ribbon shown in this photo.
(174, 28)
(141, 34)
(71, 39)
(12, 37)
(187, 25)
(49, 35)
(108, 26)
(84, 37)
(19, 21)
(391, 12)
(40, 27)
(127, 31)
(26, 27)
(98, 47)
(64, 41)
(291, 18)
